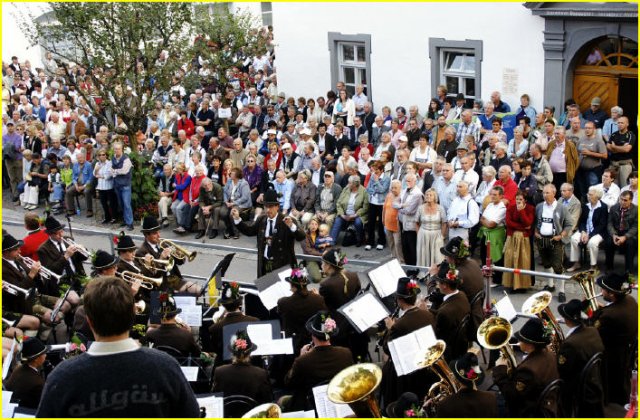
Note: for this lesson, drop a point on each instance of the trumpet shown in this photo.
(81, 249)
(586, 280)
(44, 272)
(157, 265)
(147, 282)
(448, 384)
(178, 252)
(538, 304)
(14, 290)
(494, 334)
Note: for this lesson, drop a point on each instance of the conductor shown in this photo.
(276, 235)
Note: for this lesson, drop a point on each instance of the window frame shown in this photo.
(437, 49)
(336, 42)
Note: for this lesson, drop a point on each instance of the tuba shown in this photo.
(265, 411)
(178, 252)
(448, 384)
(494, 334)
(586, 280)
(355, 386)
(538, 304)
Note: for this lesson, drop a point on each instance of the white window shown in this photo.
(458, 71)
(352, 65)
(267, 13)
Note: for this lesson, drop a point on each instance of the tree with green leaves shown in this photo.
(132, 54)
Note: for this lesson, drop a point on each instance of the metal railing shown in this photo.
(213, 246)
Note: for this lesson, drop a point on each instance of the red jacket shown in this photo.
(520, 220)
(188, 127)
(181, 192)
(32, 242)
(510, 189)
(266, 160)
(196, 181)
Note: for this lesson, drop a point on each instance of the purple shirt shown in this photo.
(253, 178)
(16, 140)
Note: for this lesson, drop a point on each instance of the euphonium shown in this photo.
(538, 304)
(448, 384)
(586, 280)
(355, 386)
(177, 251)
(147, 282)
(494, 334)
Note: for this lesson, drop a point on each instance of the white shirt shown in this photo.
(546, 227)
(61, 245)
(465, 211)
(495, 213)
(455, 292)
(610, 195)
(470, 176)
(102, 348)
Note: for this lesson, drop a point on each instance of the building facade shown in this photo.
(402, 51)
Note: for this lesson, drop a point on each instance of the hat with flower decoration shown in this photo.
(230, 293)
(335, 257)
(124, 242)
(534, 331)
(467, 368)
(168, 307)
(298, 276)
(322, 326)
(407, 287)
(241, 344)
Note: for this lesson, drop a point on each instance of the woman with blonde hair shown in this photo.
(432, 220)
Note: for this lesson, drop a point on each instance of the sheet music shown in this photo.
(407, 350)
(385, 278)
(284, 274)
(21, 415)
(7, 406)
(298, 415)
(190, 372)
(192, 315)
(8, 360)
(326, 408)
(365, 311)
(273, 293)
(505, 309)
(213, 405)
(260, 333)
(272, 347)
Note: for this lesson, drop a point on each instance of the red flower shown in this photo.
(116, 240)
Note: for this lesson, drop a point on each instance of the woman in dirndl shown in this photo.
(519, 221)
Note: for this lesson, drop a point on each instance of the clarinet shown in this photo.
(382, 336)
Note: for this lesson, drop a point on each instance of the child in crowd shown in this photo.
(324, 241)
(56, 190)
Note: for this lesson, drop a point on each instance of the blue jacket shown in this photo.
(87, 173)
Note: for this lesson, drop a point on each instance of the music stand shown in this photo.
(222, 266)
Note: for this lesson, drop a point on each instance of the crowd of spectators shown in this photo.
(400, 180)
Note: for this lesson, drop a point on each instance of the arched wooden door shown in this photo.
(601, 66)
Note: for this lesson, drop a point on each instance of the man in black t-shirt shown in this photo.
(621, 145)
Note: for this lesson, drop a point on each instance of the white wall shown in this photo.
(400, 65)
(13, 40)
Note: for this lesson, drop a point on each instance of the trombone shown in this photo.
(81, 249)
(178, 252)
(538, 304)
(156, 264)
(147, 282)
(44, 272)
(494, 334)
